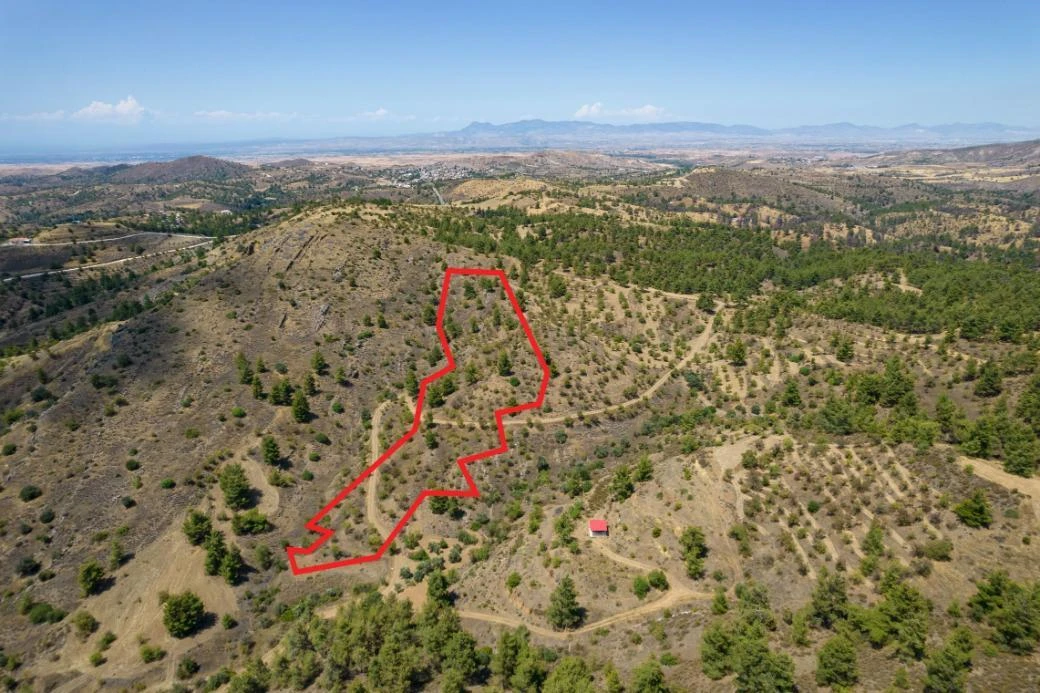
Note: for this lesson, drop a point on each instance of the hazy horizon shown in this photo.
(118, 74)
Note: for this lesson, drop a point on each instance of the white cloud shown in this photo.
(378, 114)
(125, 112)
(648, 111)
(598, 110)
(589, 110)
(227, 116)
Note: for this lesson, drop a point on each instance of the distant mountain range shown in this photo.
(546, 134)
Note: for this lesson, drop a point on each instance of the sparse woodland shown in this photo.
(806, 400)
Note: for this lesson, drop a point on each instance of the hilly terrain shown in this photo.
(803, 393)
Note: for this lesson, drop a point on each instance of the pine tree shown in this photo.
(694, 551)
(736, 352)
(1028, 408)
(564, 611)
(197, 527)
(258, 388)
(570, 675)
(231, 565)
(269, 449)
(716, 651)
(948, 667)
(836, 663)
(245, 373)
(318, 363)
(845, 351)
(791, 397)
(830, 599)
(621, 486)
(989, 383)
(505, 366)
(215, 551)
(282, 392)
(644, 469)
(411, 383)
(301, 410)
(974, 511)
(237, 493)
(648, 678)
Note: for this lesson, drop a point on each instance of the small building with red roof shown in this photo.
(598, 528)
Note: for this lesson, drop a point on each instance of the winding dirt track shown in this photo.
(677, 594)
(372, 489)
(992, 473)
(673, 597)
(696, 347)
(85, 241)
(121, 261)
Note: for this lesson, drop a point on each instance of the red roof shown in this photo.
(597, 525)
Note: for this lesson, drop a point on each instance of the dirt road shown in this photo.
(673, 597)
(124, 260)
(696, 347)
(991, 472)
(372, 488)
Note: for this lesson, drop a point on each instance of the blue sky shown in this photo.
(112, 73)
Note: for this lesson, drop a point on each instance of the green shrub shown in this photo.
(132, 465)
(974, 511)
(91, 578)
(936, 550)
(27, 566)
(641, 587)
(9, 449)
(84, 623)
(250, 522)
(657, 580)
(42, 612)
(29, 493)
(97, 659)
(183, 614)
(151, 653)
(187, 667)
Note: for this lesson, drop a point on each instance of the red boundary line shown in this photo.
(471, 491)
